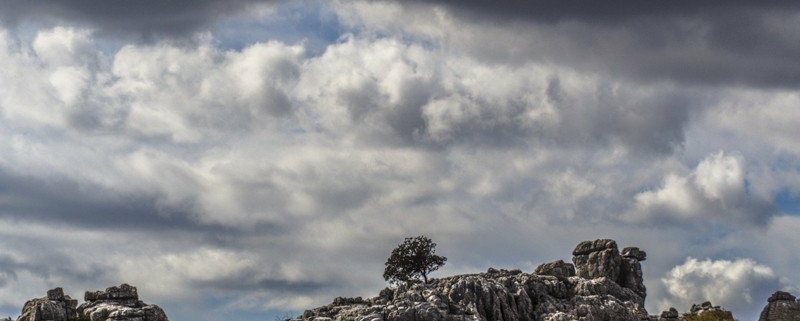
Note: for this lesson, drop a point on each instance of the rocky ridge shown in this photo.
(601, 284)
(707, 311)
(116, 303)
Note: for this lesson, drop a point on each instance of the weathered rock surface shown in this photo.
(552, 293)
(670, 315)
(601, 258)
(118, 303)
(598, 258)
(631, 276)
(635, 253)
(559, 269)
(781, 306)
(707, 311)
(54, 307)
(497, 296)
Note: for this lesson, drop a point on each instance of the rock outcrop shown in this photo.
(781, 306)
(598, 258)
(698, 312)
(559, 269)
(117, 303)
(554, 292)
(54, 307)
(631, 275)
(707, 311)
(601, 258)
(670, 315)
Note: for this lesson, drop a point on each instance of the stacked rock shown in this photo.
(670, 315)
(708, 311)
(781, 306)
(631, 270)
(559, 269)
(54, 307)
(598, 258)
(601, 258)
(118, 303)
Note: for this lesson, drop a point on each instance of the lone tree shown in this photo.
(412, 259)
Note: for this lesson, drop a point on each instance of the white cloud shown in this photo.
(63, 46)
(268, 153)
(721, 177)
(739, 285)
(715, 190)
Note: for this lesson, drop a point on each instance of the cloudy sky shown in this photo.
(246, 160)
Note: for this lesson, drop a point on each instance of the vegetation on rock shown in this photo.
(413, 259)
(715, 315)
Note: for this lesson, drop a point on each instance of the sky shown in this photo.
(247, 160)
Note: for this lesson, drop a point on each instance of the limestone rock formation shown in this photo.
(781, 306)
(601, 258)
(552, 293)
(559, 269)
(707, 311)
(670, 315)
(631, 270)
(598, 258)
(54, 307)
(118, 303)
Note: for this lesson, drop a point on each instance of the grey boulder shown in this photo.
(781, 306)
(54, 307)
(118, 303)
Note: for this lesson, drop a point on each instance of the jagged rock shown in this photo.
(631, 275)
(635, 253)
(495, 296)
(598, 258)
(559, 269)
(54, 307)
(781, 307)
(670, 315)
(118, 303)
(707, 311)
(346, 301)
(601, 258)
(502, 272)
(552, 293)
(781, 296)
(117, 293)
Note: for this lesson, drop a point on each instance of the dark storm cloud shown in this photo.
(146, 19)
(55, 265)
(249, 282)
(612, 12)
(62, 200)
(750, 43)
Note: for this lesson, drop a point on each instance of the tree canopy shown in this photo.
(413, 259)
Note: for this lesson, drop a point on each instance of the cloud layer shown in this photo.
(271, 176)
(715, 191)
(734, 284)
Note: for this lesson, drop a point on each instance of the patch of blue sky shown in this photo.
(787, 202)
(312, 22)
